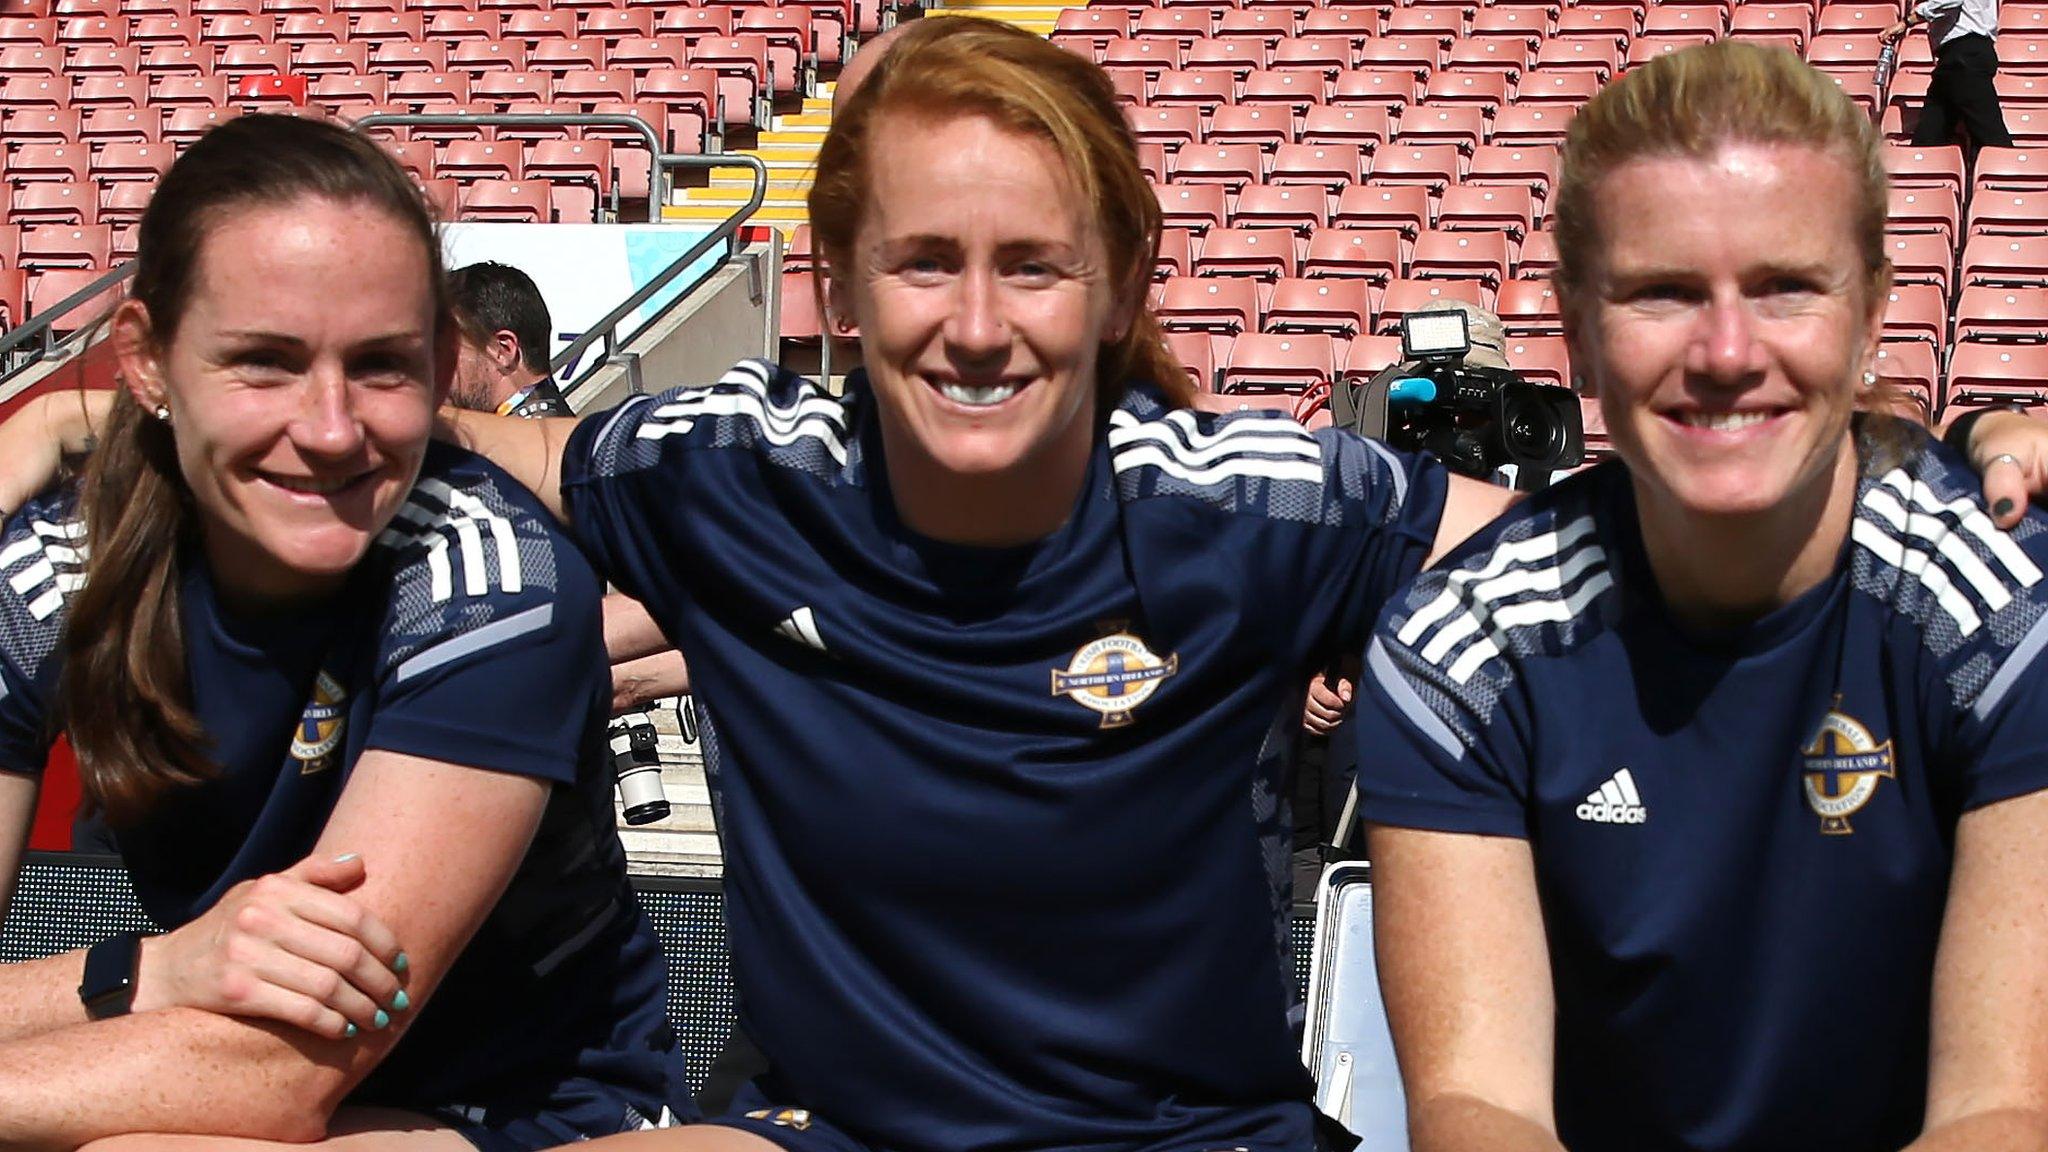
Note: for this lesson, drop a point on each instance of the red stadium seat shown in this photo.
(418, 157)
(303, 28)
(693, 100)
(1508, 56)
(247, 59)
(1195, 352)
(1869, 19)
(1231, 165)
(1924, 210)
(403, 27)
(480, 160)
(1203, 90)
(1392, 88)
(2013, 169)
(124, 201)
(1752, 19)
(178, 60)
(239, 29)
(133, 161)
(94, 91)
(134, 125)
(1443, 22)
(1606, 21)
(1432, 166)
(512, 91)
(1506, 22)
(1480, 208)
(478, 57)
(1330, 166)
(408, 56)
(508, 201)
(1528, 308)
(1538, 257)
(47, 202)
(1264, 26)
(1233, 57)
(1185, 24)
(1917, 312)
(1271, 362)
(207, 91)
(48, 162)
(1176, 254)
(1439, 255)
(318, 59)
(1570, 88)
(1406, 208)
(1460, 126)
(432, 91)
(1541, 359)
(189, 122)
(1369, 354)
(1103, 24)
(529, 25)
(2006, 261)
(54, 287)
(456, 26)
(1354, 253)
(101, 59)
(1325, 55)
(559, 58)
(1261, 253)
(66, 246)
(1644, 49)
(1263, 126)
(350, 95)
(1209, 304)
(2002, 315)
(610, 23)
(1336, 307)
(1421, 54)
(1979, 371)
(1354, 24)
(1295, 91)
(150, 31)
(1405, 296)
(1511, 164)
(445, 197)
(1923, 258)
(590, 87)
(1485, 89)
(1597, 57)
(2000, 212)
(78, 30)
(227, 7)
(28, 30)
(687, 24)
(1148, 56)
(1914, 165)
(1279, 206)
(1910, 364)
(31, 91)
(1172, 125)
(1196, 207)
(13, 297)
(1362, 126)
(647, 55)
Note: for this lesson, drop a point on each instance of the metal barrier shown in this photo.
(37, 339)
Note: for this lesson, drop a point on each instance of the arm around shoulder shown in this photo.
(530, 450)
(1469, 505)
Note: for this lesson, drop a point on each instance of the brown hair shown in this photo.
(125, 697)
(1690, 103)
(950, 66)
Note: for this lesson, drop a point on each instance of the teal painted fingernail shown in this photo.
(400, 964)
(349, 1033)
(2003, 507)
(381, 1020)
(401, 1002)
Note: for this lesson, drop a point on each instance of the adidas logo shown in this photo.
(1615, 802)
(802, 627)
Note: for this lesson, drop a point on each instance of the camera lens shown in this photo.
(1528, 430)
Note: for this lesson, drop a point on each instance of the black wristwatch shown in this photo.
(108, 987)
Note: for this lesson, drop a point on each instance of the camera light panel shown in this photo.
(1433, 335)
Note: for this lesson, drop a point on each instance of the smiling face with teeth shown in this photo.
(1731, 315)
(300, 386)
(980, 287)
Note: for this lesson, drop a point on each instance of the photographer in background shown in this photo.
(501, 364)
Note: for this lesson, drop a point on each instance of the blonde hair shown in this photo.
(1690, 103)
(951, 66)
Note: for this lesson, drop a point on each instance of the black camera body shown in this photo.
(1476, 418)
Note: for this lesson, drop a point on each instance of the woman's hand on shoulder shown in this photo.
(2010, 451)
(34, 441)
(290, 947)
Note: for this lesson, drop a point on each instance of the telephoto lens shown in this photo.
(637, 767)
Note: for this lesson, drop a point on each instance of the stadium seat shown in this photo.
(75, 31)
(396, 56)
(480, 160)
(1369, 354)
(2002, 315)
(1675, 20)
(1529, 23)
(456, 26)
(1354, 126)
(1353, 23)
(1172, 125)
(1195, 352)
(1104, 24)
(2011, 169)
(120, 161)
(403, 27)
(481, 57)
(1264, 127)
(693, 100)
(1176, 254)
(1150, 56)
(1541, 359)
(111, 125)
(1405, 208)
(1231, 165)
(1273, 362)
(1571, 88)
(250, 59)
(1538, 257)
(1921, 258)
(1196, 207)
(46, 203)
(686, 24)
(52, 162)
(1443, 22)
(1419, 54)
(1480, 208)
(1181, 24)
(2005, 261)
(1393, 88)
(174, 31)
(1337, 307)
(51, 288)
(66, 246)
(1261, 253)
(1224, 304)
(1914, 165)
(302, 28)
(1528, 308)
(228, 7)
(1917, 312)
(1203, 90)
(1325, 55)
(38, 125)
(124, 202)
(1481, 256)
(1294, 91)
(1607, 22)
(1485, 89)
(1372, 254)
(1281, 206)
(186, 123)
(2000, 212)
(1644, 49)
(348, 94)
(317, 59)
(1978, 371)
(13, 297)
(1330, 166)
(239, 29)
(28, 30)
(96, 91)
(35, 91)
(1753, 19)
(1460, 126)
(100, 59)
(1404, 296)
(1235, 57)
(512, 91)
(524, 201)
(1597, 57)
(208, 91)
(1431, 166)
(1913, 209)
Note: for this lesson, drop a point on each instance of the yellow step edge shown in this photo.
(766, 214)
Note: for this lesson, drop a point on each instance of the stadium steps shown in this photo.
(686, 843)
(790, 150)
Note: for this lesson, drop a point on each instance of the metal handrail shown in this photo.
(43, 324)
(605, 329)
(531, 120)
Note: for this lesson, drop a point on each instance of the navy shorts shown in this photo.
(577, 1109)
(1274, 1128)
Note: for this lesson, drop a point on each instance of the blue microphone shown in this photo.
(1411, 390)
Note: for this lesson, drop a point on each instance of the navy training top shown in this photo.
(1742, 846)
(469, 634)
(1002, 868)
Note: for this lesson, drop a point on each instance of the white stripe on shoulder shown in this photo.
(1973, 520)
(813, 417)
(1541, 546)
(1954, 552)
(1551, 610)
(1244, 447)
(467, 518)
(44, 567)
(1916, 563)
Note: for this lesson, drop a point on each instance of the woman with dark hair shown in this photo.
(328, 682)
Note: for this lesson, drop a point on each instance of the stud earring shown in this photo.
(1870, 379)
(162, 412)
